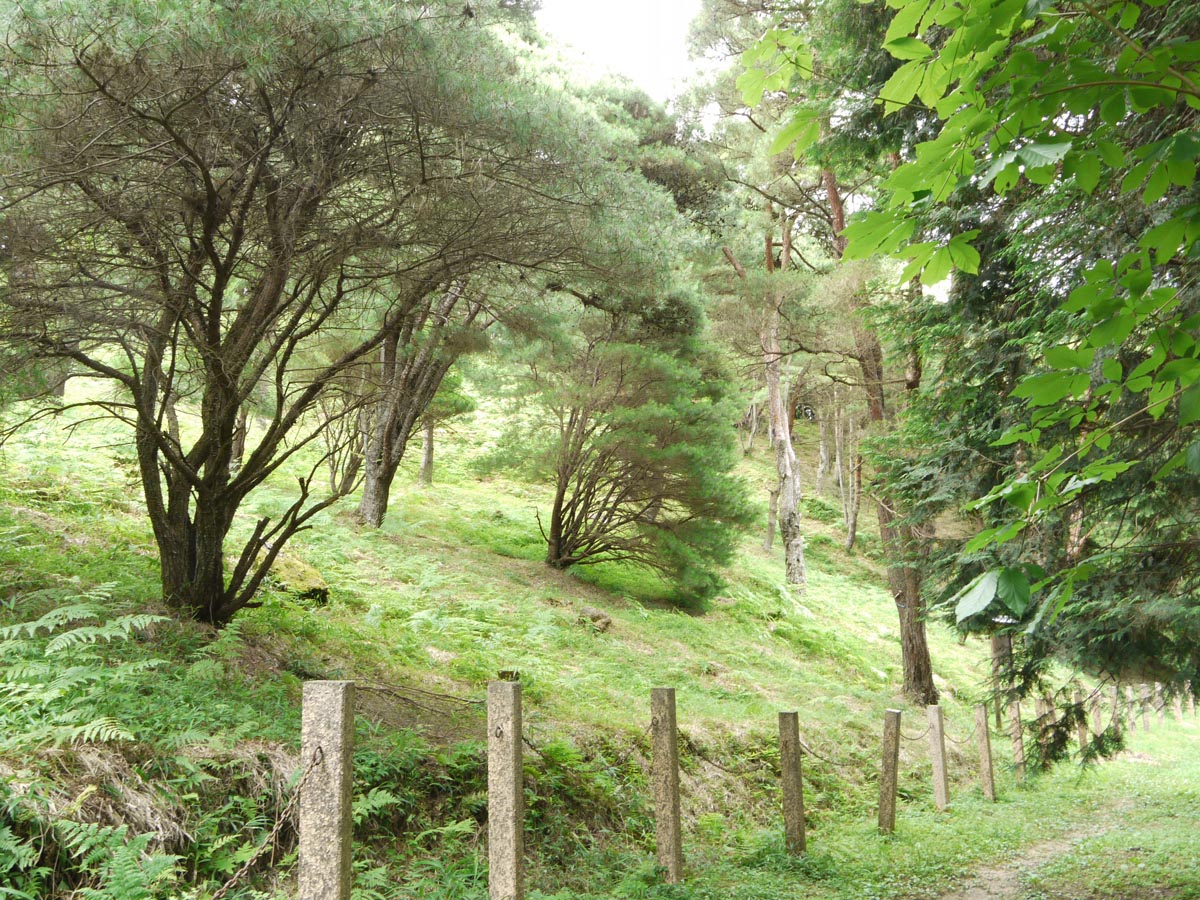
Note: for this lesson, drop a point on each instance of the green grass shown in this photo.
(452, 589)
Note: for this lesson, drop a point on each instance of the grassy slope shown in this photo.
(452, 590)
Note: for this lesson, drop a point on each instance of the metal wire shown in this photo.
(970, 737)
(921, 736)
(269, 843)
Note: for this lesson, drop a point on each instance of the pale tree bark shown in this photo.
(772, 518)
(785, 455)
(824, 460)
(425, 474)
(786, 465)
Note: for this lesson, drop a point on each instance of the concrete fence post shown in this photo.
(937, 755)
(1081, 726)
(1145, 697)
(326, 752)
(889, 771)
(1017, 736)
(506, 794)
(1160, 703)
(793, 784)
(664, 772)
(1131, 709)
(987, 778)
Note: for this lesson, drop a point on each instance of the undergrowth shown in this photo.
(142, 756)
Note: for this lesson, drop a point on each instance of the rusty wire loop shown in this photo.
(970, 737)
(921, 736)
(809, 751)
(318, 756)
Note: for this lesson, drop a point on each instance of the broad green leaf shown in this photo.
(1087, 172)
(964, 256)
(1112, 154)
(1157, 185)
(1020, 494)
(753, 84)
(1014, 591)
(877, 232)
(804, 130)
(1189, 406)
(998, 165)
(908, 48)
(976, 596)
(906, 20)
(938, 267)
(994, 536)
(1112, 330)
(902, 86)
(1065, 357)
(1047, 388)
(1112, 110)
(1165, 239)
(1043, 154)
(1178, 461)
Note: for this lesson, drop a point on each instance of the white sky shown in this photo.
(644, 39)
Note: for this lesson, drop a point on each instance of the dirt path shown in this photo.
(1007, 882)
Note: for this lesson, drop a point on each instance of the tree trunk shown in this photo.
(904, 580)
(780, 434)
(772, 518)
(1001, 661)
(412, 364)
(785, 454)
(854, 491)
(823, 459)
(902, 545)
(425, 475)
(239, 442)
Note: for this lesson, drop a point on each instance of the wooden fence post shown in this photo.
(326, 752)
(1160, 703)
(793, 784)
(1145, 696)
(1018, 739)
(1081, 727)
(1097, 714)
(1131, 709)
(506, 795)
(1177, 706)
(889, 772)
(987, 778)
(937, 755)
(1191, 699)
(664, 770)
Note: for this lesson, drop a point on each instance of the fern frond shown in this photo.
(113, 629)
(53, 620)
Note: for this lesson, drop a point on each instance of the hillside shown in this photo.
(421, 614)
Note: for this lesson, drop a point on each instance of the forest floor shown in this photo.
(1010, 881)
(425, 611)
